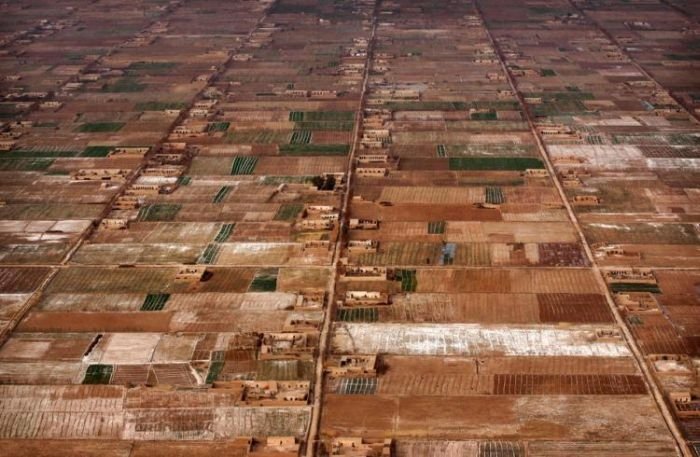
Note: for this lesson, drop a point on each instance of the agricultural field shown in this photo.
(398, 228)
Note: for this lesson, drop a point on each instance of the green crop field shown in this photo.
(288, 211)
(243, 165)
(215, 368)
(408, 280)
(25, 164)
(98, 374)
(494, 163)
(484, 116)
(97, 151)
(634, 287)
(342, 126)
(221, 194)
(300, 137)
(209, 255)
(124, 85)
(159, 106)
(314, 149)
(158, 212)
(265, 280)
(100, 127)
(436, 227)
(224, 233)
(218, 126)
(494, 195)
(357, 315)
(154, 302)
(35, 153)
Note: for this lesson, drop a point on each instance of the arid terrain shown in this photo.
(363, 228)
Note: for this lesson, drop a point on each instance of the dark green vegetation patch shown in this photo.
(314, 149)
(158, 212)
(436, 227)
(124, 85)
(98, 374)
(25, 164)
(224, 233)
(218, 126)
(209, 255)
(32, 153)
(300, 137)
(154, 302)
(490, 115)
(265, 280)
(494, 163)
(243, 165)
(408, 280)
(288, 211)
(159, 106)
(494, 195)
(100, 127)
(357, 314)
(634, 287)
(97, 151)
(221, 194)
(215, 366)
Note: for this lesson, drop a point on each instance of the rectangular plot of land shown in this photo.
(433, 195)
(562, 311)
(100, 127)
(300, 137)
(357, 314)
(285, 370)
(634, 287)
(436, 227)
(494, 195)
(98, 374)
(544, 384)
(494, 163)
(243, 165)
(404, 254)
(441, 447)
(501, 449)
(159, 212)
(265, 280)
(288, 211)
(429, 384)
(129, 347)
(408, 280)
(357, 386)
(154, 302)
(483, 308)
(321, 149)
(642, 233)
(471, 339)
(130, 374)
